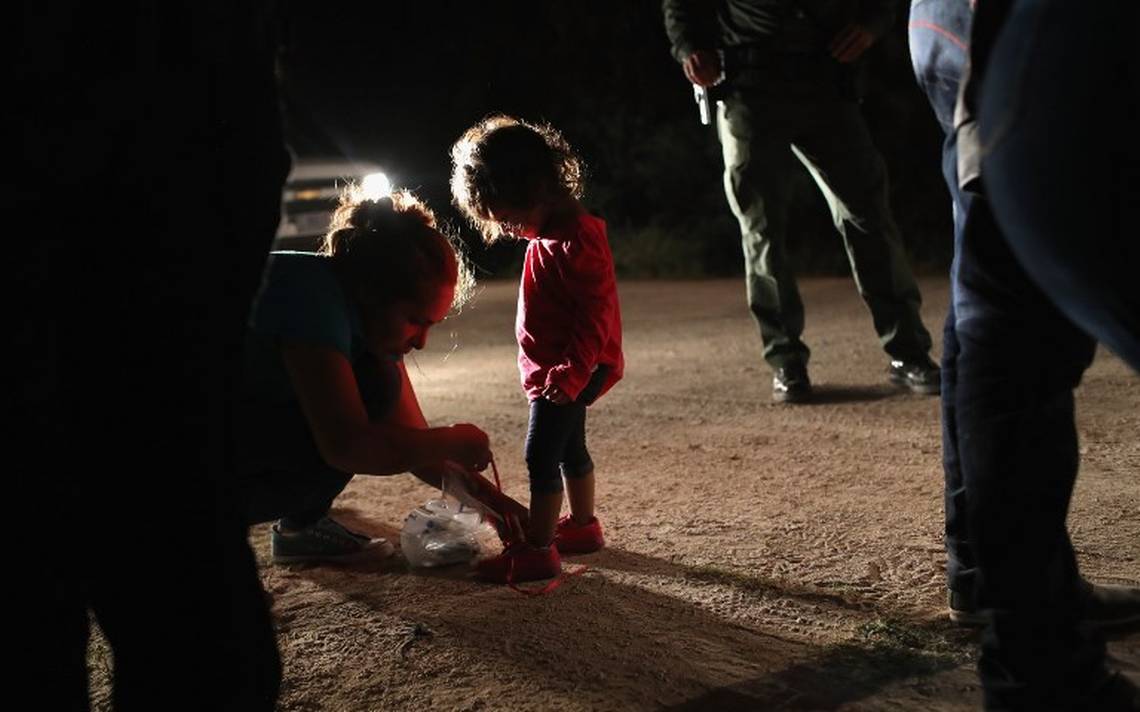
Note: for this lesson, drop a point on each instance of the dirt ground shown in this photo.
(759, 557)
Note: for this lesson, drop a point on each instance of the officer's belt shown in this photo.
(772, 63)
(759, 55)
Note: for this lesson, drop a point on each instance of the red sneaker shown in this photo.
(573, 538)
(519, 563)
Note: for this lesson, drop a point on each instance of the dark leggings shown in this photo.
(282, 475)
(556, 439)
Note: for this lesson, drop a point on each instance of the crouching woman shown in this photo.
(325, 392)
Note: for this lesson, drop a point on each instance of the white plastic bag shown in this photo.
(443, 532)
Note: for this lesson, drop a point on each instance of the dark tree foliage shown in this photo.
(397, 83)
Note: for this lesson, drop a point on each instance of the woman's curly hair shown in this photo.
(507, 162)
(389, 250)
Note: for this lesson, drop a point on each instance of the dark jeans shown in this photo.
(1020, 359)
(556, 439)
(1059, 108)
(766, 133)
(939, 31)
(281, 472)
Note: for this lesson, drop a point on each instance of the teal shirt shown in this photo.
(300, 301)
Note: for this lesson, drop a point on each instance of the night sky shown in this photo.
(396, 83)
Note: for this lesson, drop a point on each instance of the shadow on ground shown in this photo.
(698, 658)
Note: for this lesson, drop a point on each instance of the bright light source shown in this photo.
(375, 186)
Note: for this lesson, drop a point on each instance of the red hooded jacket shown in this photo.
(568, 320)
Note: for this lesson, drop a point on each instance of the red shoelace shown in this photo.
(511, 534)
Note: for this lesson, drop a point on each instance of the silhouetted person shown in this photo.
(1054, 181)
(151, 177)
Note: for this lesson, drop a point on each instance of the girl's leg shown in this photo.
(544, 511)
(582, 534)
(545, 439)
(580, 492)
(550, 429)
(578, 473)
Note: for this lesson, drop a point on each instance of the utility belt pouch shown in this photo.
(766, 66)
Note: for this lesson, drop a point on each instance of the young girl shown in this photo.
(326, 393)
(510, 177)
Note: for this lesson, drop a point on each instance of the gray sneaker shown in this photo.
(325, 541)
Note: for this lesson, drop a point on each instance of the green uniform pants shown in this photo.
(762, 138)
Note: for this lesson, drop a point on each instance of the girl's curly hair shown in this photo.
(507, 162)
(390, 250)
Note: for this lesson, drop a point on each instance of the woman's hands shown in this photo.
(474, 490)
(349, 441)
(467, 446)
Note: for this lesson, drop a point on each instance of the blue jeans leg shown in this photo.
(1019, 361)
(1058, 115)
(938, 32)
(960, 562)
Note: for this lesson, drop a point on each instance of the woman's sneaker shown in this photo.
(324, 541)
(573, 538)
(519, 563)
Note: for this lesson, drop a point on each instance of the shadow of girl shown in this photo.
(635, 632)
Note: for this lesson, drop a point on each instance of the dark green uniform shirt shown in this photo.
(785, 25)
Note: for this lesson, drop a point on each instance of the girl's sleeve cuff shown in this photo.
(567, 380)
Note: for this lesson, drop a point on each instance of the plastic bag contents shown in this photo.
(443, 532)
(507, 516)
